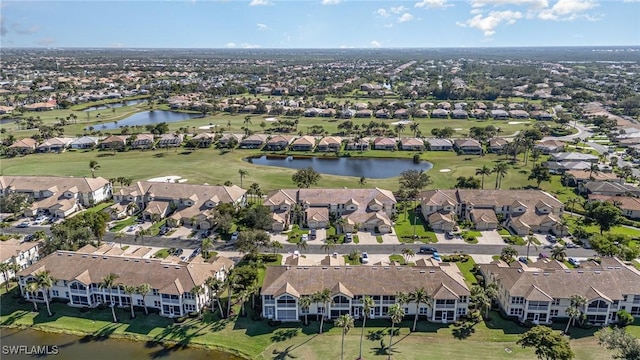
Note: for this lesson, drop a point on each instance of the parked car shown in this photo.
(23, 225)
(178, 252)
(427, 249)
(436, 256)
(571, 245)
(235, 235)
(573, 261)
(543, 256)
(195, 252)
(523, 259)
(205, 234)
(348, 238)
(131, 228)
(313, 234)
(449, 235)
(552, 239)
(364, 258)
(305, 237)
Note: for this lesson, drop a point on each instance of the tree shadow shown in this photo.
(464, 331)
(284, 334)
(165, 351)
(376, 335)
(286, 353)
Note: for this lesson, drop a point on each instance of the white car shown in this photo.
(305, 237)
(365, 258)
(235, 235)
(573, 261)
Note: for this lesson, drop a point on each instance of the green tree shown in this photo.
(540, 173)
(242, 173)
(131, 290)
(483, 171)
(574, 311)
(206, 246)
(305, 303)
(140, 234)
(367, 305)
(604, 213)
(624, 318)
(407, 254)
(413, 181)
(419, 296)
(32, 289)
(548, 344)
(530, 240)
(396, 313)
(501, 170)
(215, 287)
(559, 253)
(45, 283)
(5, 268)
(15, 203)
(618, 339)
(109, 282)
(508, 254)
(304, 178)
(323, 297)
(328, 246)
(93, 166)
(144, 289)
(345, 322)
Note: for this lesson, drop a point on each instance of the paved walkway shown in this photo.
(490, 237)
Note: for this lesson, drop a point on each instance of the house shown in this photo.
(421, 113)
(204, 140)
(277, 142)
(57, 196)
(303, 143)
(541, 115)
(479, 114)
(119, 211)
(542, 294)
(364, 113)
(436, 144)
(170, 140)
(401, 114)
(467, 146)
(142, 141)
(364, 209)
(561, 167)
(497, 145)
(255, 141)
(21, 253)
(41, 106)
(440, 114)
(312, 112)
(55, 144)
(459, 114)
(576, 177)
(85, 142)
(114, 142)
(329, 143)
(630, 206)
(518, 114)
(412, 144)
(347, 113)
(384, 143)
(574, 156)
(608, 188)
(444, 105)
(285, 285)
(23, 146)
(361, 144)
(78, 276)
(382, 114)
(327, 113)
(499, 114)
(522, 210)
(182, 203)
(549, 146)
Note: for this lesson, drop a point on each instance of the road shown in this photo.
(444, 248)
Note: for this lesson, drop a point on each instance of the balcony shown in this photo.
(269, 302)
(445, 306)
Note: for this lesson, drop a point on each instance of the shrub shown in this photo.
(624, 318)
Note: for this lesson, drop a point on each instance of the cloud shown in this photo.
(46, 42)
(262, 27)
(532, 4)
(568, 10)
(382, 13)
(405, 17)
(488, 24)
(21, 29)
(249, 46)
(259, 2)
(230, 45)
(116, 45)
(432, 4)
(375, 44)
(331, 2)
(397, 9)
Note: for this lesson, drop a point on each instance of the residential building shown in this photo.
(497, 145)
(521, 210)
(55, 144)
(541, 292)
(549, 146)
(361, 209)
(436, 144)
(278, 142)
(14, 251)
(412, 144)
(204, 140)
(467, 146)
(329, 143)
(518, 114)
(170, 140)
(608, 188)
(360, 144)
(576, 177)
(630, 206)
(459, 114)
(255, 141)
(556, 167)
(574, 156)
(499, 114)
(303, 143)
(85, 142)
(114, 142)
(142, 141)
(78, 277)
(384, 143)
(285, 285)
(23, 146)
(440, 114)
(382, 114)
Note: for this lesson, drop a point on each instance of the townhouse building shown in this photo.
(14, 251)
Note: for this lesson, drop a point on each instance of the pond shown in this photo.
(145, 118)
(115, 105)
(371, 168)
(62, 346)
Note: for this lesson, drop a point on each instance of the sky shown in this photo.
(319, 23)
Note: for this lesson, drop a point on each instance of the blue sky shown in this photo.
(319, 23)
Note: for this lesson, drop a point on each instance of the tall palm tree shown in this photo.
(407, 254)
(109, 282)
(483, 171)
(196, 291)
(206, 245)
(45, 282)
(414, 127)
(215, 287)
(593, 169)
(530, 240)
(242, 173)
(93, 166)
(32, 289)
(118, 237)
(419, 296)
(140, 234)
(243, 297)
(396, 313)
(402, 298)
(144, 289)
(5, 267)
(229, 283)
(575, 309)
(500, 170)
(301, 245)
(367, 305)
(328, 246)
(323, 297)
(344, 321)
(559, 253)
(571, 203)
(305, 302)
(131, 290)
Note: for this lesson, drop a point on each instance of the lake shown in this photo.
(115, 105)
(146, 118)
(62, 346)
(371, 168)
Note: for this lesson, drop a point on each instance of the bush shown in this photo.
(624, 318)
(181, 319)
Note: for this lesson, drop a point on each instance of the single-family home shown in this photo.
(384, 143)
(364, 113)
(23, 146)
(497, 145)
(20, 253)
(608, 188)
(204, 140)
(459, 114)
(518, 114)
(467, 146)
(360, 144)
(55, 144)
(436, 144)
(312, 112)
(303, 143)
(574, 156)
(629, 205)
(440, 114)
(346, 113)
(329, 143)
(170, 140)
(575, 177)
(421, 113)
(549, 146)
(277, 143)
(401, 114)
(412, 144)
(479, 114)
(114, 142)
(499, 114)
(382, 114)
(142, 141)
(84, 142)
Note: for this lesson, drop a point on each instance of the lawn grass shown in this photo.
(120, 225)
(100, 207)
(155, 228)
(349, 261)
(410, 223)
(465, 269)
(356, 239)
(379, 239)
(504, 232)
(161, 254)
(574, 221)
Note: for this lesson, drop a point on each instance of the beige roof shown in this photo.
(24, 143)
(624, 202)
(39, 183)
(305, 140)
(170, 191)
(330, 260)
(87, 268)
(359, 280)
(597, 176)
(14, 247)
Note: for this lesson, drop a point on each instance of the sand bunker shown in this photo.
(457, 129)
(207, 127)
(169, 178)
(445, 170)
(271, 119)
(518, 122)
(405, 122)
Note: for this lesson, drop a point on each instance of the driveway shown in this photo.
(443, 240)
(490, 237)
(366, 238)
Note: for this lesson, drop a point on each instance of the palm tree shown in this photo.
(407, 254)
(396, 313)
(484, 171)
(229, 283)
(301, 245)
(575, 309)
(144, 289)
(344, 321)
(305, 303)
(5, 267)
(118, 236)
(323, 297)
(93, 166)
(206, 245)
(367, 305)
(45, 282)
(131, 290)
(500, 170)
(414, 127)
(530, 240)
(340, 223)
(419, 296)
(109, 282)
(215, 287)
(402, 298)
(32, 289)
(400, 128)
(593, 169)
(328, 246)
(559, 253)
(242, 173)
(140, 234)
(275, 245)
(480, 300)
(571, 203)
(196, 291)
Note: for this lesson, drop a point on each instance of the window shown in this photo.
(140, 302)
(423, 310)
(462, 311)
(598, 306)
(516, 312)
(538, 305)
(406, 310)
(635, 311)
(339, 300)
(304, 310)
(155, 292)
(555, 302)
(286, 301)
(156, 303)
(517, 300)
(320, 310)
(553, 313)
(463, 299)
(189, 307)
(187, 295)
(55, 293)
